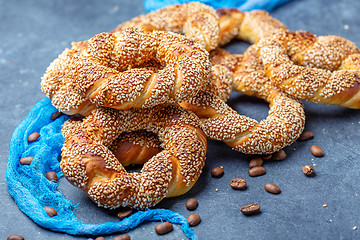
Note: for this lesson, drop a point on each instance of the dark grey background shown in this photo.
(33, 33)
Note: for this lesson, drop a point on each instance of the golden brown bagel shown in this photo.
(88, 163)
(321, 69)
(196, 20)
(282, 127)
(107, 71)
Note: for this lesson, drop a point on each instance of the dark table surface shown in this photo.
(33, 33)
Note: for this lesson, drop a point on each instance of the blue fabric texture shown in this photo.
(244, 5)
(31, 190)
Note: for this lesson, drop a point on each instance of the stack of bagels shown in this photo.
(152, 91)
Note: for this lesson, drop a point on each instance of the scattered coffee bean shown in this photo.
(238, 183)
(256, 171)
(33, 137)
(51, 176)
(267, 157)
(163, 228)
(15, 237)
(122, 237)
(306, 135)
(100, 238)
(194, 220)
(124, 213)
(217, 172)
(55, 115)
(316, 151)
(308, 170)
(279, 156)
(191, 204)
(272, 188)
(355, 228)
(250, 209)
(50, 211)
(26, 160)
(255, 162)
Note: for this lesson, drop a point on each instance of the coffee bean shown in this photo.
(51, 176)
(50, 211)
(267, 157)
(15, 237)
(238, 183)
(33, 137)
(163, 228)
(256, 171)
(255, 162)
(26, 160)
(306, 135)
(100, 238)
(192, 204)
(308, 170)
(194, 220)
(217, 172)
(279, 156)
(55, 115)
(250, 209)
(316, 151)
(272, 188)
(124, 213)
(122, 237)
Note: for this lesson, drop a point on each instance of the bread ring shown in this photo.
(321, 69)
(134, 148)
(96, 72)
(249, 26)
(88, 163)
(196, 20)
(282, 127)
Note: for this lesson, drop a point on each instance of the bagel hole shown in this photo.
(249, 106)
(134, 168)
(236, 46)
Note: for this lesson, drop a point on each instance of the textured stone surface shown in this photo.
(33, 33)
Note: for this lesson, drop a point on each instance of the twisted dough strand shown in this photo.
(88, 163)
(105, 71)
(320, 69)
(196, 20)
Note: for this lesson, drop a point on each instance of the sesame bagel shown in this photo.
(195, 20)
(88, 163)
(107, 71)
(285, 121)
(321, 69)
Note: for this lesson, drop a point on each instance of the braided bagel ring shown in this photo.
(321, 69)
(88, 163)
(129, 148)
(196, 20)
(248, 26)
(95, 72)
(284, 123)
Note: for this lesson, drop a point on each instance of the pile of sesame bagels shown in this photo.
(152, 91)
